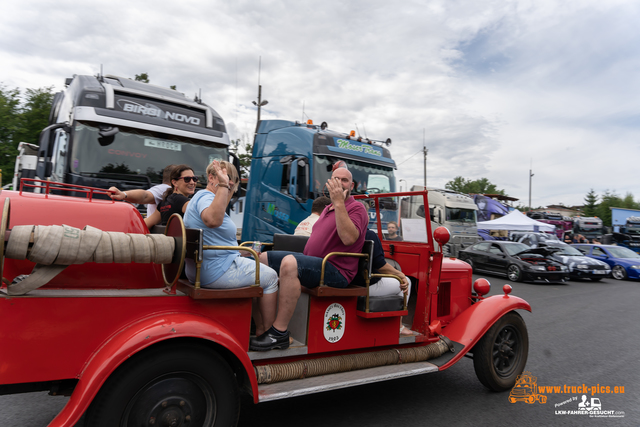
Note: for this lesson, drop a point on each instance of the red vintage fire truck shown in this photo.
(134, 344)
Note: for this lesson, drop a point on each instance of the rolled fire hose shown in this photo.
(268, 374)
(56, 247)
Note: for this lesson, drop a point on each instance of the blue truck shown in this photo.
(290, 164)
(626, 228)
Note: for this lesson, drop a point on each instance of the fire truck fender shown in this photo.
(139, 336)
(475, 321)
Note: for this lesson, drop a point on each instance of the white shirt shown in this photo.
(304, 228)
(158, 192)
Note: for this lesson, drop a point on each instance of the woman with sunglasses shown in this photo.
(226, 269)
(176, 198)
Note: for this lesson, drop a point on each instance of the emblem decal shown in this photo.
(334, 322)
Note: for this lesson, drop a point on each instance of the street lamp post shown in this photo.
(260, 102)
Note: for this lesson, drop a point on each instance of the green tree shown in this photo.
(629, 203)
(21, 122)
(608, 200)
(9, 125)
(478, 186)
(143, 77)
(34, 114)
(590, 204)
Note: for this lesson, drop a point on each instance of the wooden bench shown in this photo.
(194, 249)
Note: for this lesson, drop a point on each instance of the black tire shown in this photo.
(513, 273)
(468, 261)
(181, 385)
(618, 272)
(501, 354)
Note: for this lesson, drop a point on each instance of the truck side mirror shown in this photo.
(45, 151)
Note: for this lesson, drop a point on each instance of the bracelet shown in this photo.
(125, 195)
(225, 186)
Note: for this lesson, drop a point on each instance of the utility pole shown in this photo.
(530, 176)
(424, 151)
(260, 102)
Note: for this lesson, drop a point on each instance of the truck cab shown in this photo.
(112, 131)
(292, 161)
(450, 209)
(590, 227)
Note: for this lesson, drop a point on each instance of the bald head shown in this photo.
(345, 177)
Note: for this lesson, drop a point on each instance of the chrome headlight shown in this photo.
(582, 267)
(635, 267)
(537, 267)
(563, 268)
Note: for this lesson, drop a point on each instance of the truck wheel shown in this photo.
(619, 272)
(182, 385)
(513, 273)
(501, 354)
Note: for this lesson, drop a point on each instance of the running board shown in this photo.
(293, 388)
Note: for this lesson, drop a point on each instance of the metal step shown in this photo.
(293, 388)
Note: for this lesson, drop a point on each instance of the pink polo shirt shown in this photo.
(325, 239)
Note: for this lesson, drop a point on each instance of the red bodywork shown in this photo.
(53, 335)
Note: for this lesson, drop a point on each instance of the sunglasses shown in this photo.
(189, 178)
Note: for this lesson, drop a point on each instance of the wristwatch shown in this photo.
(125, 195)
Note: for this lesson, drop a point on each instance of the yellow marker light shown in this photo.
(353, 133)
(309, 122)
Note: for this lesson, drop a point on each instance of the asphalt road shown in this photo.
(579, 333)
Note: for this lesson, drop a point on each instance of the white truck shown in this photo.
(447, 208)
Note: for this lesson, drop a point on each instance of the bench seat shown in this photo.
(189, 288)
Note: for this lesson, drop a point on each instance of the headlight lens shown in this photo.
(635, 267)
(582, 266)
(537, 267)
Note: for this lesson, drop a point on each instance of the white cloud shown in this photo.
(494, 84)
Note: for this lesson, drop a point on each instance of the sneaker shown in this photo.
(269, 341)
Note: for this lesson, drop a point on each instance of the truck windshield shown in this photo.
(137, 152)
(367, 178)
(461, 215)
(633, 230)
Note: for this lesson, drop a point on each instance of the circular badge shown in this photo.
(334, 321)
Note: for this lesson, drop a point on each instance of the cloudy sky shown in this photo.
(492, 88)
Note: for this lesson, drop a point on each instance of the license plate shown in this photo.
(599, 272)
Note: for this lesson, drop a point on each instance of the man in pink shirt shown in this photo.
(340, 228)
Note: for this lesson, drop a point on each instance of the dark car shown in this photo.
(624, 263)
(516, 261)
(580, 266)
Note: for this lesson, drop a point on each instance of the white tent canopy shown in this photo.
(515, 221)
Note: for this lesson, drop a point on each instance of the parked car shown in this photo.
(533, 237)
(579, 265)
(624, 263)
(516, 261)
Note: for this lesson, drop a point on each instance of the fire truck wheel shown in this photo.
(181, 385)
(618, 272)
(513, 273)
(501, 354)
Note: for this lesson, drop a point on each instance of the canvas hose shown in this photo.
(268, 374)
(57, 246)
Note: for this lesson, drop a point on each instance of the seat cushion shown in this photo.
(382, 303)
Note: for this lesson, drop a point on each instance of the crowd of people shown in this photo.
(338, 223)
